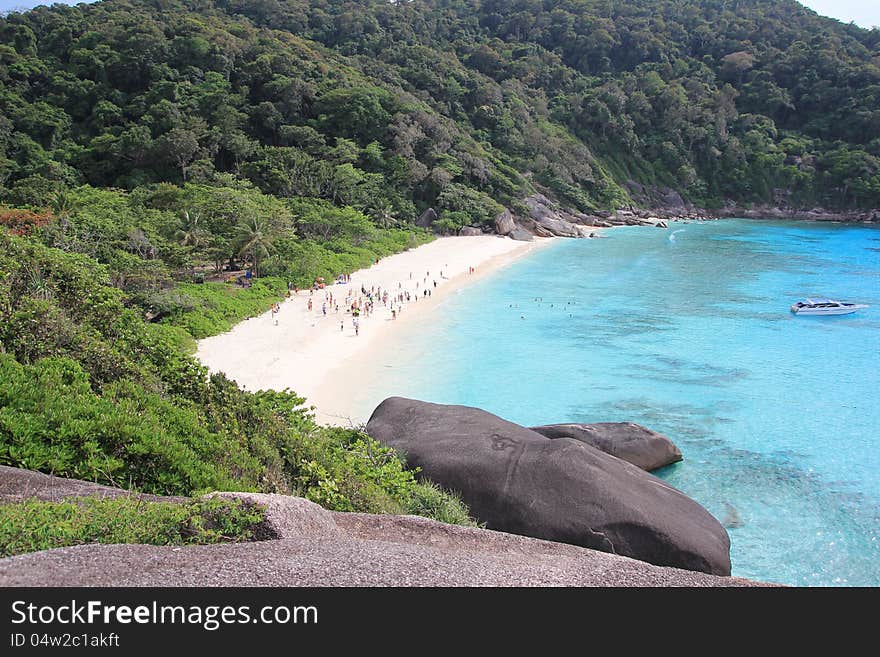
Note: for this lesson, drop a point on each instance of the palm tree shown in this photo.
(255, 237)
(384, 216)
(190, 232)
(62, 205)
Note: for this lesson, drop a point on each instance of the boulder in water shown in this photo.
(516, 480)
(631, 442)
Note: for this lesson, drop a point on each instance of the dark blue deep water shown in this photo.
(688, 331)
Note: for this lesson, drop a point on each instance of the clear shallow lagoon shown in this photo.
(688, 332)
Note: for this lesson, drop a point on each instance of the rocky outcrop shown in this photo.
(521, 235)
(786, 213)
(323, 548)
(470, 231)
(427, 218)
(518, 481)
(631, 442)
(287, 516)
(504, 223)
(666, 203)
(372, 550)
(555, 221)
(636, 218)
(17, 485)
(561, 228)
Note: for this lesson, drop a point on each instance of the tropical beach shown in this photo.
(314, 347)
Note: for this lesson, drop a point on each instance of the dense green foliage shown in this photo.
(162, 243)
(388, 107)
(90, 390)
(35, 525)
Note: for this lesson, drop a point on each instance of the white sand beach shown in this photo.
(321, 357)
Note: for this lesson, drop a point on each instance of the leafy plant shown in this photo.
(35, 525)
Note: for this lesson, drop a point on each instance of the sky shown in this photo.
(865, 13)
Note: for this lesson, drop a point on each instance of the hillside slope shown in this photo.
(394, 107)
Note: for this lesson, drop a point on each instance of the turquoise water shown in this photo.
(688, 332)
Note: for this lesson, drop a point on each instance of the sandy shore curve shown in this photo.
(320, 356)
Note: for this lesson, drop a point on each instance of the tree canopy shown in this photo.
(383, 105)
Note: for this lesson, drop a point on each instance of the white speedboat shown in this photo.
(825, 307)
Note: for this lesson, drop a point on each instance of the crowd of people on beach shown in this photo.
(363, 302)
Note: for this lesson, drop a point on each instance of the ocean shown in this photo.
(688, 332)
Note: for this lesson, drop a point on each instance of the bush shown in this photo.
(427, 499)
(217, 307)
(36, 525)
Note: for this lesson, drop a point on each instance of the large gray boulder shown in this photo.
(631, 442)
(516, 480)
(540, 207)
(504, 224)
(554, 221)
(366, 550)
(470, 231)
(427, 218)
(560, 227)
(521, 235)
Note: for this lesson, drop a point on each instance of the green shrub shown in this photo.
(51, 420)
(36, 525)
(429, 500)
(217, 307)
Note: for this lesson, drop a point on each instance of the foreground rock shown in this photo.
(518, 481)
(631, 442)
(17, 485)
(316, 547)
(521, 235)
(287, 516)
(374, 551)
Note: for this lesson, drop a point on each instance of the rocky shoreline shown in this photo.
(547, 218)
(563, 505)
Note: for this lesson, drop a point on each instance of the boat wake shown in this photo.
(672, 234)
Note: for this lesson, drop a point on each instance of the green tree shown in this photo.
(255, 237)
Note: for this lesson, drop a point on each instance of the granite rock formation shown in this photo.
(516, 480)
(631, 442)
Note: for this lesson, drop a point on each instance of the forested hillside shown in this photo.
(393, 107)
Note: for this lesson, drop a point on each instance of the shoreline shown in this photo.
(767, 213)
(307, 352)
